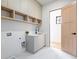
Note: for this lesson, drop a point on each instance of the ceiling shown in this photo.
(43, 2)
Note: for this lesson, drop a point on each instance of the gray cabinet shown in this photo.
(34, 43)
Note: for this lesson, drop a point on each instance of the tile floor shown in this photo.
(46, 53)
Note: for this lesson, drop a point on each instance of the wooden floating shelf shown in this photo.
(6, 18)
(9, 14)
(11, 19)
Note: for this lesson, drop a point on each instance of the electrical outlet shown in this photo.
(9, 34)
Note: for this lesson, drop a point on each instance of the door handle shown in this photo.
(74, 33)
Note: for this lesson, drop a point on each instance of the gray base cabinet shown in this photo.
(34, 43)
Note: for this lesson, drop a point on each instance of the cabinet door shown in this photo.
(4, 3)
(69, 29)
(36, 44)
(30, 44)
(39, 42)
(42, 40)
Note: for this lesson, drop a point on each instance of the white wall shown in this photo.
(46, 18)
(11, 46)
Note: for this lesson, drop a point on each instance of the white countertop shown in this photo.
(35, 34)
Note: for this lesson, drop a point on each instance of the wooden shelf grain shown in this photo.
(18, 16)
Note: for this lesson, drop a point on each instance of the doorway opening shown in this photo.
(55, 29)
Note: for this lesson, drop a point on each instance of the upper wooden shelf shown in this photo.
(6, 9)
(13, 15)
(6, 12)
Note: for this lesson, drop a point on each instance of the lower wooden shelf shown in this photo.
(8, 18)
(12, 19)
